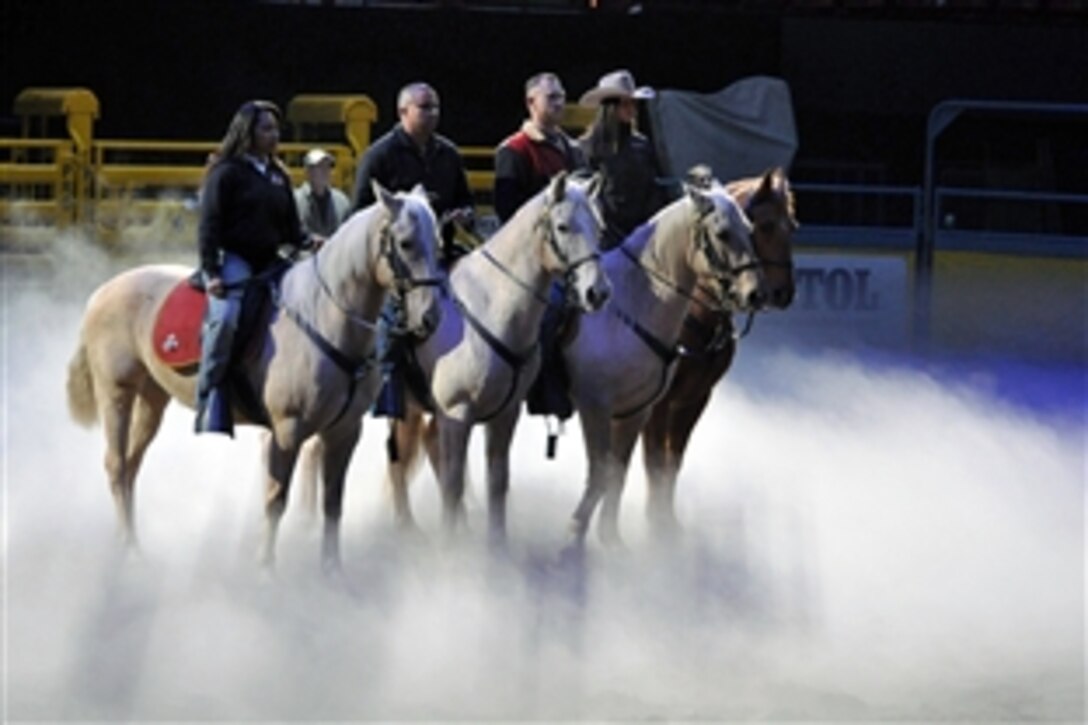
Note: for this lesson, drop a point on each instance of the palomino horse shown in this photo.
(312, 371)
(485, 353)
(708, 336)
(621, 363)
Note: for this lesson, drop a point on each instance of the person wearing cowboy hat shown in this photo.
(612, 145)
(321, 206)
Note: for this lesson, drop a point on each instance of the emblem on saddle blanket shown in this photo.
(176, 333)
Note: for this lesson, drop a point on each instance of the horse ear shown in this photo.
(766, 187)
(388, 199)
(593, 188)
(557, 190)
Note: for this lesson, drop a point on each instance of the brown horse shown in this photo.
(710, 336)
(313, 373)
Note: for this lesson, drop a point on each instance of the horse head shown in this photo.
(768, 201)
(572, 226)
(408, 265)
(724, 258)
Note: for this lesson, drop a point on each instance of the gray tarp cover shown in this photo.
(741, 130)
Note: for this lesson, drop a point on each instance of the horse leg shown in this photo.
(595, 433)
(661, 502)
(624, 434)
(452, 445)
(500, 432)
(147, 408)
(336, 448)
(115, 407)
(281, 451)
(308, 474)
(657, 459)
(406, 434)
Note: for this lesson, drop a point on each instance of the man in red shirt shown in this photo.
(528, 159)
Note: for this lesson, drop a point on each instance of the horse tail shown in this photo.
(81, 402)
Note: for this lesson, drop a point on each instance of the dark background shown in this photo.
(862, 81)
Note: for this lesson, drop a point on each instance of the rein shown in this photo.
(356, 370)
(666, 353)
(513, 277)
(515, 360)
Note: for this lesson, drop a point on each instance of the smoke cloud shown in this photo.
(864, 539)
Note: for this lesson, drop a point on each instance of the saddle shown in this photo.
(175, 336)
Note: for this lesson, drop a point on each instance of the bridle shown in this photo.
(515, 360)
(403, 283)
(570, 268)
(721, 269)
(552, 237)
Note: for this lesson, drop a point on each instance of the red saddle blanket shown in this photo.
(176, 334)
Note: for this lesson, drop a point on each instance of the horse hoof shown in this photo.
(667, 530)
(573, 554)
(331, 566)
(611, 540)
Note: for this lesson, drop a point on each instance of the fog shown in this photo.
(865, 538)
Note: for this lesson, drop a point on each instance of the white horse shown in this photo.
(313, 375)
(485, 354)
(621, 363)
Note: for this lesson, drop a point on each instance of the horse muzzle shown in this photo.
(596, 296)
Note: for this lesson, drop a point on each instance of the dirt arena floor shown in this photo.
(867, 538)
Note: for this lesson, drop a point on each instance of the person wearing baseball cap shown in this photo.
(631, 191)
(321, 206)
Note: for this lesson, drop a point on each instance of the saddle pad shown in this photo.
(176, 334)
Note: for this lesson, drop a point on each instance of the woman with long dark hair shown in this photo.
(247, 213)
(631, 190)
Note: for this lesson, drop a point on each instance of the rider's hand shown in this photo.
(215, 287)
(463, 216)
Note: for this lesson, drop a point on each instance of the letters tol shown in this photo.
(838, 289)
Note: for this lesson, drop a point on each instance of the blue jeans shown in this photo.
(220, 325)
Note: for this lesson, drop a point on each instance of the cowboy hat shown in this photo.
(617, 84)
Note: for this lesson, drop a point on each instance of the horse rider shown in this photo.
(524, 163)
(247, 212)
(632, 185)
(527, 159)
(321, 206)
(411, 153)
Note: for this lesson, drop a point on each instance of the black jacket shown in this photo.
(397, 163)
(631, 192)
(246, 213)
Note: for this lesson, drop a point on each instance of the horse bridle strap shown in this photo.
(568, 265)
(667, 354)
(511, 358)
(355, 370)
(361, 321)
(506, 271)
(660, 277)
